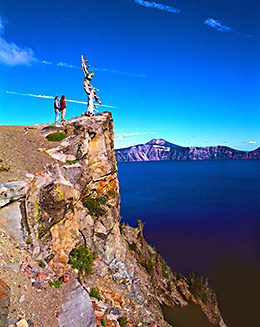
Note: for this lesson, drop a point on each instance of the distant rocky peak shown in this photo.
(161, 142)
(157, 141)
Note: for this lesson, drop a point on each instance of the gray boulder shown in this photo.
(77, 309)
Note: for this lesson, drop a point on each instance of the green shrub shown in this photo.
(140, 225)
(41, 263)
(56, 283)
(102, 199)
(112, 193)
(198, 287)
(81, 258)
(72, 162)
(132, 246)
(94, 205)
(48, 127)
(94, 292)
(121, 228)
(179, 276)
(12, 200)
(114, 168)
(56, 137)
(103, 323)
(5, 168)
(164, 272)
(123, 321)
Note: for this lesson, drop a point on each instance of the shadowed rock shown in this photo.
(77, 309)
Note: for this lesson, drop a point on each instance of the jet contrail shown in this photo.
(52, 97)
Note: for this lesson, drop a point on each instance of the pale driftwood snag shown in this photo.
(89, 89)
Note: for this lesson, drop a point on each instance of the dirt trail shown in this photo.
(19, 149)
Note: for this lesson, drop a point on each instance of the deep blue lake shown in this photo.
(203, 217)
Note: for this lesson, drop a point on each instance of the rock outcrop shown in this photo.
(75, 200)
(77, 310)
(158, 149)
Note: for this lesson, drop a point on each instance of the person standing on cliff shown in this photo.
(56, 109)
(63, 107)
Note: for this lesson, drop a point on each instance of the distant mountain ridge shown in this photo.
(159, 149)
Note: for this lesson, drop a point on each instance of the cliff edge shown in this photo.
(70, 198)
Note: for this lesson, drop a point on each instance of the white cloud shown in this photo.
(252, 142)
(217, 25)
(106, 70)
(158, 6)
(118, 72)
(119, 136)
(64, 64)
(30, 95)
(69, 19)
(12, 54)
(52, 97)
(124, 135)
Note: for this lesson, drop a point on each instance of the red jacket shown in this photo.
(62, 104)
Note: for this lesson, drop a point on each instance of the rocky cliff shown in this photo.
(72, 203)
(158, 149)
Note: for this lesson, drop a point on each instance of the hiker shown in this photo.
(56, 109)
(63, 107)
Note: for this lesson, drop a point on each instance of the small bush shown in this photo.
(56, 283)
(123, 321)
(56, 137)
(140, 225)
(132, 246)
(179, 276)
(164, 272)
(48, 127)
(94, 205)
(12, 200)
(72, 162)
(121, 228)
(5, 168)
(114, 168)
(41, 263)
(102, 199)
(112, 193)
(81, 258)
(198, 287)
(94, 292)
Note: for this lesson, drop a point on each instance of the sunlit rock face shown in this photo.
(158, 149)
(75, 200)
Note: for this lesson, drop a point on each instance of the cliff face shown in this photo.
(75, 199)
(158, 149)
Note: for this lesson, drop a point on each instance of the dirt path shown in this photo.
(19, 149)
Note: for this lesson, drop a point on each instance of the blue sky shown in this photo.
(185, 71)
